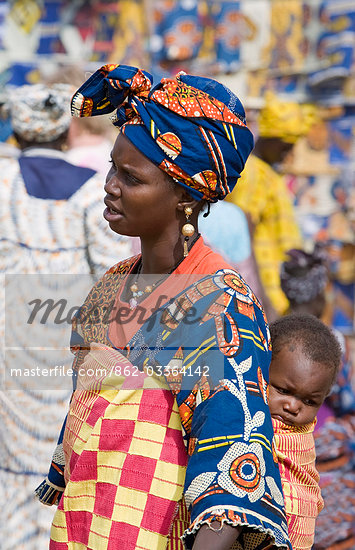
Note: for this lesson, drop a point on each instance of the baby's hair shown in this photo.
(316, 340)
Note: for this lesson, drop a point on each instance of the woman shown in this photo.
(192, 366)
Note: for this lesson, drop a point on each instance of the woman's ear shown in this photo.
(187, 200)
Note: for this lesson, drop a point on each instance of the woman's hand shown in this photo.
(216, 538)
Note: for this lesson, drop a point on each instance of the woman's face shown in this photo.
(139, 200)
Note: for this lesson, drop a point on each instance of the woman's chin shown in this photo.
(119, 228)
(114, 220)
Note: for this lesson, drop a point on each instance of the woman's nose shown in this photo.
(112, 186)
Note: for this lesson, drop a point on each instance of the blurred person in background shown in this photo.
(263, 195)
(51, 223)
(305, 281)
(89, 141)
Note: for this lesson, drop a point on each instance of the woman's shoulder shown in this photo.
(202, 260)
(100, 298)
(123, 267)
(107, 285)
(208, 264)
(234, 284)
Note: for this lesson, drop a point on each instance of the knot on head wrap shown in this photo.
(40, 113)
(191, 127)
(304, 276)
(284, 119)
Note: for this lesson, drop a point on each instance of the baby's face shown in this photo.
(297, 388)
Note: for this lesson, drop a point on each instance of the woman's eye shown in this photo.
(131, 178)
(309, 402)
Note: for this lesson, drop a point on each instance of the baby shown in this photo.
(305, 359)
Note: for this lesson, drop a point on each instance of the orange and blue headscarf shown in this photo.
(191, 127)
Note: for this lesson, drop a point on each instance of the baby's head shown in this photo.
(305, 360)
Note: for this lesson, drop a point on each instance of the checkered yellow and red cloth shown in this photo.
(296, 455)
(124, 459)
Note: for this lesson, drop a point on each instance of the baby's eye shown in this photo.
(310, 402)
(282, 390)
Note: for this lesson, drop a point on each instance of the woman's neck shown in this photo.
(161, 256)
(161, 253)
(164, 254)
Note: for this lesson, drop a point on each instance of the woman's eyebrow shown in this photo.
(128, 167)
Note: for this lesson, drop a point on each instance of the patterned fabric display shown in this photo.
(335, 44)
(181, 125)
(233, 28)
(177, 30)
(129, 41)
(285, 47)
(335, 447)
(221, 368)
(49, 41)
(296, 454)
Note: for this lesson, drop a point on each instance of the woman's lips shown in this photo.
(111, 215)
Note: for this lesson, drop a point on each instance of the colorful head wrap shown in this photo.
(284, 119)
(304, 276)
(40, 113)
(191, 127)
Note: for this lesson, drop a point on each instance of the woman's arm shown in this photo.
(231, 478)
(213, 537)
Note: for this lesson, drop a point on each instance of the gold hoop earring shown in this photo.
(187, 229)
